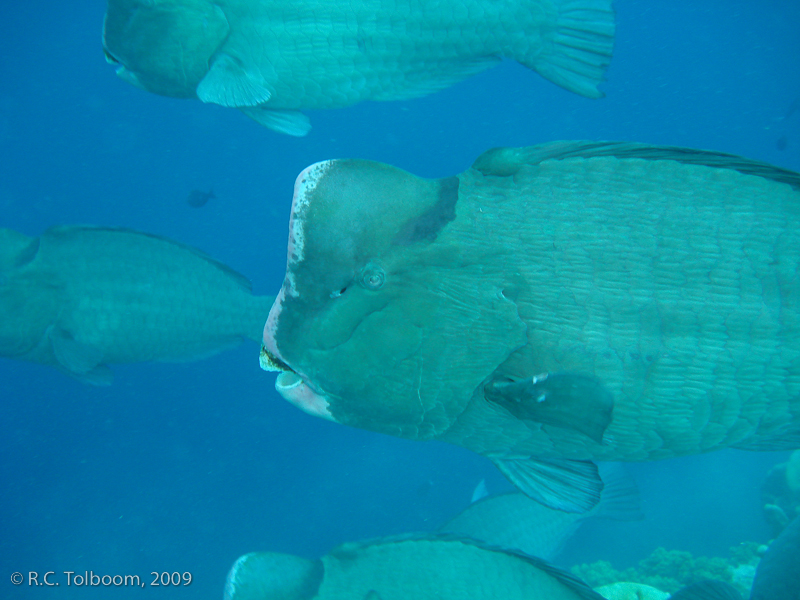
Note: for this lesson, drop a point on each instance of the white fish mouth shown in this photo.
(295, 390)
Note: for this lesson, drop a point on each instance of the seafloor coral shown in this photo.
(670, 570)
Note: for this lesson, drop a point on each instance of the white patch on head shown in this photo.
(233, 576)
(304, 185)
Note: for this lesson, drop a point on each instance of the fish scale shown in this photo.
(271, 58)
(94, 295)
(578, 301)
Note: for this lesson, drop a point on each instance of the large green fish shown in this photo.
(77, 298)
(548, 307)
(401, 568)
(271, 58)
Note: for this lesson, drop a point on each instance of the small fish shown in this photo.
(422, 567)
(78, 298)
(273, 58)
(549, 307)
(196, 198)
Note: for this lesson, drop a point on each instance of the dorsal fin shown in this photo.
(66, 230)
(504, 162)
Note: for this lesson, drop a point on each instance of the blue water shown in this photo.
(183, 467)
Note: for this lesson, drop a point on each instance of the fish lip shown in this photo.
(270, 362)
(296, 390)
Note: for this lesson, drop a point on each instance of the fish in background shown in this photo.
(551, 306)
(78, 298)
(780, 493)
(273, 58)
(197, 198)
(422, 567)
(777, 575)
(515, 522)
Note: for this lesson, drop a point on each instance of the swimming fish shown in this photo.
(196, 198)
(549, 307)
(514, 521)
(777, 575)
(272, 58)
(413, 566)
(79, 297)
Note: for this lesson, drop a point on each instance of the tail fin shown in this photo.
(580, 47)
(257, 314)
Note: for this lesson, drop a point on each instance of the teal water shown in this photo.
(183, 467)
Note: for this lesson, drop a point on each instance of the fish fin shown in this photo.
(372, 595)
(101, 375)
(707, 590)
(76, 357)
(568, 485)
(620, 500)
(230, 83)
(568, 400)
(290, 122)
(505, 162)
(580, 47)
(71, 231)
(480, 491)
(78, 360)
(16, 249)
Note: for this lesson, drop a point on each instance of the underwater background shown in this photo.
(184, 467)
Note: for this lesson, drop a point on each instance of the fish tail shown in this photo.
(256, 316)
(579, 46)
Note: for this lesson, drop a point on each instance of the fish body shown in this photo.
(78, 298)
(549, 307)
(514, 521)
(778, 573)
(272, 58)
(419, 567)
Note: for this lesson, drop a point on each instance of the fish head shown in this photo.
(28, 296)
(372, 325)
(163, 46)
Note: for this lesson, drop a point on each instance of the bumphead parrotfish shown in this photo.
(413, 566)
(78, 298)
(272, 58)
(548, 307)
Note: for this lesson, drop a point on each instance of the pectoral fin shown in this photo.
(77, 358)
(16, 249)
(568, 400)
(230, 83)
(290, 122)
(573, 486)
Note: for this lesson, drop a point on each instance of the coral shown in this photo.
(670, 570)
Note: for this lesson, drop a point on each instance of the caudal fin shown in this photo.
(579, 48)
(256, 316)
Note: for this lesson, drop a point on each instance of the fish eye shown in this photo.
(372, 277)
